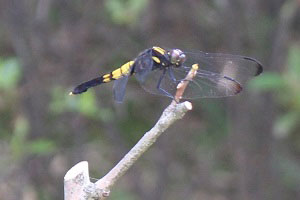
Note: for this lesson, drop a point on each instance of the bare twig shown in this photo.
(183, 84)
(77, 178)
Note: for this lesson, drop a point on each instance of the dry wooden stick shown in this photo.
(77, 183)
(184, 83)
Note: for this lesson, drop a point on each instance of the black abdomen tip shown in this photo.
(79, 89)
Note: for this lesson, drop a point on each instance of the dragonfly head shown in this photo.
(177, 57)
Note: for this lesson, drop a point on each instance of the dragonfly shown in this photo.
(160, 70)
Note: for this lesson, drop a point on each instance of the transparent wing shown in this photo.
(239, 68)
(219, 75)
(150, 84)
(119, 89)
(143, 65)
(209, 85)
(205, 84)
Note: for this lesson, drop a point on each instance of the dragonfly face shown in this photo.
(159, 71)
(177, 57)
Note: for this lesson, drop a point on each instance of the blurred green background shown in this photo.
(244, 147)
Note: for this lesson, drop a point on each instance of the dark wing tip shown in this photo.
(238, 88)
(236, 85)
(259, 66)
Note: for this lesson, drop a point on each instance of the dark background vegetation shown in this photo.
(244, 147)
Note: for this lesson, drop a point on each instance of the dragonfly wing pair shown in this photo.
(219, 75)
(119, 89)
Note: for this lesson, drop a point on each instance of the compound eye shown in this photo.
(182, 58)
(175, 56)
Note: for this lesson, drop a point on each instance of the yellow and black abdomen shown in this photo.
(124, 70)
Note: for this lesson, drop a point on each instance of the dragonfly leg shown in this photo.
(171, 75)
(159, 84)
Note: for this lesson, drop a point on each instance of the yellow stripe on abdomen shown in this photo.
(106, 78)
(118, 73)
(126, 67)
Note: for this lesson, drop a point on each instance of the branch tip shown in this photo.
(188, 105)
(81, 167)
(184, 83)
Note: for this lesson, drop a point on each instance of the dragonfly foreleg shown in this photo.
(163, 91)
(171, 75)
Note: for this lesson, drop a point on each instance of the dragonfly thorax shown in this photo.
(177, 57)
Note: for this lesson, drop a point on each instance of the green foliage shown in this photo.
(268, 81)
(216, 128)
(21, 146)
(19, 137)
(10, 73)
(133, 125)
(286, 123)
(41, 147)
(85, 103)
(285, 87)
(294, 62)
(125, 11)
(290, 172)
